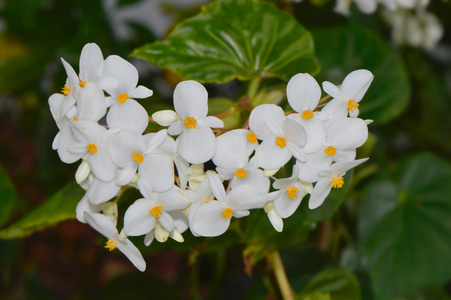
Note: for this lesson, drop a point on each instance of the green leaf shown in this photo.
(330, 205)
(8, 195)
(332, 284)
(405, 227)
(231, 39)
(58, 208)
(357, 48)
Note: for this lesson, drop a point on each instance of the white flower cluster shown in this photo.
(106, 133)
(411, 23)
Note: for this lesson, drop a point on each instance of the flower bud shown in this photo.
(165, 117)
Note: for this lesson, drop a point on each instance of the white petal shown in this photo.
(101, 164)
(303, 92)
(197, 145)
(285, 206)
(246, 197)
(126, 174)
(171, 200)
(190, 100)
(124, 72)
(176, 128)
(137, 219)
(86, 205)
(294, 133)
(208, 220)
(347, 133)
(217, 189)
(271, 156)
(315, 132)
(102, 224)
(356, 84)
(129, 114)
(158, 170)
(261, 113)
(337, 108)
(308, 170)
(132, 253)
(91, 103)
(231, 151)
(320, 192)
(91, 59)
(101, 191)
(333, 91)
(140, 92)
(122, 146)
(212, 122)
(275, 220)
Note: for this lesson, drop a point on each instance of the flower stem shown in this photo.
(280, 276)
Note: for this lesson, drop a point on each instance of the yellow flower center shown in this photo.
(352, 105)
(156, 211)
(293, 192)
(227, 213)
(75, 118)
(240, 173)
(252, 137)
(138, 157)
(122, 98)
(281, 142)
(65, 90)
(330, 150)
(110, 245)
(307, 114)
(190, 123)
(337, 182)
(92, 148)
(208, 200)
(82, 83)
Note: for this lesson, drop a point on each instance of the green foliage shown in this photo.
(235, 39)
(332, 284)
(355, 47)
(8, 195)
(404, 226)
(58, 208)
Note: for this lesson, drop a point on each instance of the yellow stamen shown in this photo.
(75, 118)
(330, 150)
(66, 90)
(190, 123)
(307, 114)
(227, 213)
(337, 182)
(293, 192)
(122, 98)
(252, 137)
(240, 173)
(138, 157)
(92, 148)
(281, 142)
(82, 83)
(352, 105)
(208, 200)
(156, 211)
(110, 245)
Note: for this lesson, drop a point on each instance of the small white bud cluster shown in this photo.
(118, 154)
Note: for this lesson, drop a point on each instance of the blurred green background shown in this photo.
(391, 232)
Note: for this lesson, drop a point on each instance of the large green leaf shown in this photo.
(332, 284)
(354, 47)
(8, 195)
(231, 39)
(405, 227)
(58, 208)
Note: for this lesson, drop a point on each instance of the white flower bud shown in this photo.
(82, 172)
(175, 235)
(165, 117)
(161, 234)
(110, 211)
(269, 173)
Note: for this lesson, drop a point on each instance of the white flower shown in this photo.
(290, 193)
(131, 152)
(282, 137)
(347, 97)
(303, 94)
(125, 111)
(331, 178)
(232, 161)
(196, 142)
(213, 218)
(142, 216)
(104, 226)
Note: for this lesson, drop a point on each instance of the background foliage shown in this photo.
(386, 235)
